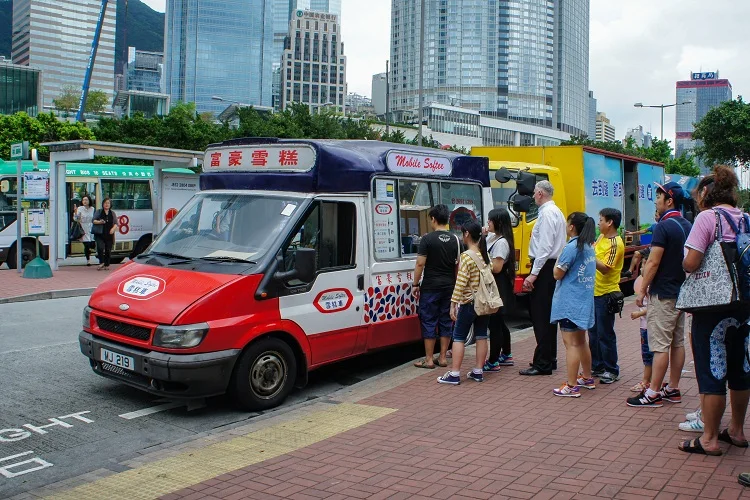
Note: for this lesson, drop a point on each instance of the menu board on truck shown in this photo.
(603, 184)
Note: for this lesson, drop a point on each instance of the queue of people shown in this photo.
(574, 284)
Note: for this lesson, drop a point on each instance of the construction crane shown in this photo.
(92, 58)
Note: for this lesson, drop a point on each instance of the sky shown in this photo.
(638, 49)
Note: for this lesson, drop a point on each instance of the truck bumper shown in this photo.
(172, 375)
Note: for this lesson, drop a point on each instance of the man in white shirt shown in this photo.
(547, 241)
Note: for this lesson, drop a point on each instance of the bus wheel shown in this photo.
(264, 375)
(28, 253)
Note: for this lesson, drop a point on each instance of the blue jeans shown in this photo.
(602, 339)
(466, 317)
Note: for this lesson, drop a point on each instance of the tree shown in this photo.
(745, 199)
(44, 128)
(96, 101)
(725, 132)
(68, 99)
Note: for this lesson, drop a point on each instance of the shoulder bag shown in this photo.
(97, 229)
(713, 287)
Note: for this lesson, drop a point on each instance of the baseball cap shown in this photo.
(672, 190)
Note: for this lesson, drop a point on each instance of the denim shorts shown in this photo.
(568, 326)
(435, 314)
(720, 351)
(646, 355)
(467, 317)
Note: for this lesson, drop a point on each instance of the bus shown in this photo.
(130, 188)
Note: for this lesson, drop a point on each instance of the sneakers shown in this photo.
(643, 400)
(586, 383)
(567, 391)
(449, 379)
(505, 360)
(608, 378)
(692, 426)
(671, 395)
(491, 367)
(476, 377)
(639, 387)
(597, 373)
(696, 415)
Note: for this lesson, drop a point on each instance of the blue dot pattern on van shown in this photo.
(389, 303)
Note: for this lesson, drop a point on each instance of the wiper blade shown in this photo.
(226, 258)
(168, 255)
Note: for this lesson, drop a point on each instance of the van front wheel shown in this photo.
(264, 375)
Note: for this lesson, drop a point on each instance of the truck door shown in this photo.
(330, 310)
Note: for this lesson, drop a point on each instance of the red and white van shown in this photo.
(294, 254)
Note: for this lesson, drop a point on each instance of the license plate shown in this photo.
(117, 359)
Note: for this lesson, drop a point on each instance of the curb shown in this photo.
(52, 294)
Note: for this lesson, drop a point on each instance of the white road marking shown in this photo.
(150, 411)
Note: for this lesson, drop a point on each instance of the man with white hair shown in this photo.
(547, 241)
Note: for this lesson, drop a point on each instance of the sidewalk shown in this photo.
(405, 436)
(67, 281)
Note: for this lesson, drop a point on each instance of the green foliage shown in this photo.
(44, 128)
(745, 199)
(725, 132)
(96, 101)
(68, 99)
(144, 29)
(659, 151)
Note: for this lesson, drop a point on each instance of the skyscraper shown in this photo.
(592, 115)
(523, 61)
(703, 91)
(330, 6)
(55, 36)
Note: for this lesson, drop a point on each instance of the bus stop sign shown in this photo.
(19, 150)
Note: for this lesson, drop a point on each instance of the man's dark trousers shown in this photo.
(540, 307)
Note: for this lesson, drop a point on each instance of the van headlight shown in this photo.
(180, 337)
(87, 317)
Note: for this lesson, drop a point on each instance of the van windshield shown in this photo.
(238, 227)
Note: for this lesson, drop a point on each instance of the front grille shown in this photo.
(125, 329)
(122, 374)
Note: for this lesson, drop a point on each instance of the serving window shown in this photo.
(401, 212)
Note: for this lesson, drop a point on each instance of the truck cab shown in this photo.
(293, 255)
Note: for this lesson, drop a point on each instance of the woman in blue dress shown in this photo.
(573, 302)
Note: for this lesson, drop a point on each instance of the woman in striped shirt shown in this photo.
(462, 306)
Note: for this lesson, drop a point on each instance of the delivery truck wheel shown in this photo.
(265, 374)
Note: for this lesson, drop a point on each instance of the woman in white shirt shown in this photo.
(85, 216)
(502, 251)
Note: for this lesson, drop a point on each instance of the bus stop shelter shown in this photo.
(83, 150)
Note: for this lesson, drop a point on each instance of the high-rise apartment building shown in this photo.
(592, 115)
(605, 132)
(522, 61)
(379, 90)
(702, 92)
(55, 36)
(313, 65)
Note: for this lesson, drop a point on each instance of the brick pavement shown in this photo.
(505, 438)
(65, 278)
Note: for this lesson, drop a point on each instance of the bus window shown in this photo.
(8, 195)
(127, 194)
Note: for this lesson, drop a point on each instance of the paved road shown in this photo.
(43, 376)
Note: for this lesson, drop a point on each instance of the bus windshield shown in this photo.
(220, 226)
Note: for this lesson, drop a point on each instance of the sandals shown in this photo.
(694, 446)
(444, 364)
(423, 364)
(725, 437)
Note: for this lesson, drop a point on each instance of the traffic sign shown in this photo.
(19, 150)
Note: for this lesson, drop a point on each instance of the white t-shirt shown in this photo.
(497, 247)
(86, 218)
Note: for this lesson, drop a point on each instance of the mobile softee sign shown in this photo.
(603, 183)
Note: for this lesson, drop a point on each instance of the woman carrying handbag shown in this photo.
(104, 228)
(720, 321)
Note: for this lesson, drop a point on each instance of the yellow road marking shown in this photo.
(192, 467)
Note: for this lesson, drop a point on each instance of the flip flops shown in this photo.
(725, 437)
(444, 364)
(694, 446)
(423, 364)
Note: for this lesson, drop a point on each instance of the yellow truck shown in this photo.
(585, 179)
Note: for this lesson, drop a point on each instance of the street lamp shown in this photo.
(661, 106)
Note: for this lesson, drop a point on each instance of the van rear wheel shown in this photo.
(264, 375)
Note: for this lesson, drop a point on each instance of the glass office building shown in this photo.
(520, 60)
(144, 70)
(226, 48)
(55, 36)
(703, 92)
(20, 89)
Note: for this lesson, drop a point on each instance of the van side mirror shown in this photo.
(525, 183)
(503, 175)
(305, 267)
(521, 203)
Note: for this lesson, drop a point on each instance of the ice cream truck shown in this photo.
(293, 254)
